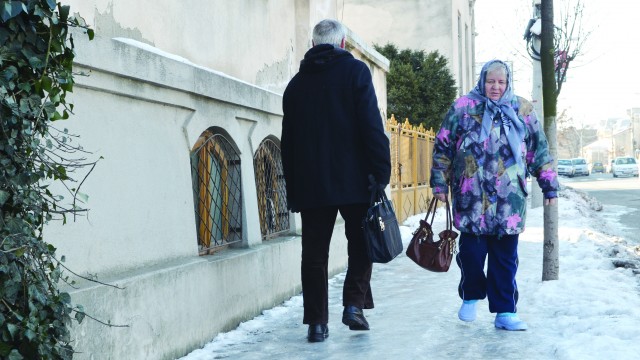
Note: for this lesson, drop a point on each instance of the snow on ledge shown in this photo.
(168, 55)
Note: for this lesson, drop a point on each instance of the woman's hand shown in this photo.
(552, 201)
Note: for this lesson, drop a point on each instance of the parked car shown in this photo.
(580, 167)
(565, 167)
(597, 167)
(624, 166)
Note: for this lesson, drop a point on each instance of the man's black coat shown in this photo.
(332, 132)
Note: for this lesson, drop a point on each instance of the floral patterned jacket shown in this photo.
(488, 188)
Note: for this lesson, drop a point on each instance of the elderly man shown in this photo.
(332, 139)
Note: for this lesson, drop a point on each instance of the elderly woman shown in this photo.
(489, 141)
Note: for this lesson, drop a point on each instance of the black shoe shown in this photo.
(317, 332)
(354, 318)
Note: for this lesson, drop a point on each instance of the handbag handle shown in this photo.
(433, 206)
(377, 194)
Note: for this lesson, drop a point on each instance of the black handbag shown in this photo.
(381, 229)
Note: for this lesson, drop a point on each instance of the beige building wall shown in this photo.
(443, 25)
(623, 142)
(260, 42)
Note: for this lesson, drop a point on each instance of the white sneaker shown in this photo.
(467, 311)
(510, 321)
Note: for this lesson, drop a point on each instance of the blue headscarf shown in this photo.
(502, 107)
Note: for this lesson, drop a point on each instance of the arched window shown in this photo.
(270, 188)
(215, 171)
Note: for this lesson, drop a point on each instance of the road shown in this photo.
(613, 191)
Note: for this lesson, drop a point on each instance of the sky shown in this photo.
(591, 312)
(602, 83)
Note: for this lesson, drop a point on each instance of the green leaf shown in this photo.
(13, 329)
(20, 251)
(26, 87)
(90, 33)
(5, 348)
(9, 73)
(46, 84)
(65, 298)
(11, 9)
(64, 12)
(36, 62)
(15, 355)
(83, 197)
(79, 316)
(4, 196)
(29, 334)
(37, 11)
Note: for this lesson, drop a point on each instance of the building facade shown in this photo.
(443, 25)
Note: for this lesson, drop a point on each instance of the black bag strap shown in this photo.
(374, 197)
(377, 195)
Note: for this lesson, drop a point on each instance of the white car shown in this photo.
(624, 166)
(580, 167)
(565, 167)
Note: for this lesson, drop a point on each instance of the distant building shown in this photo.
(598, 151)
(447, 26)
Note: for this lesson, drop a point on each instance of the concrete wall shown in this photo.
(420, 25)
(257, 41)
(142, 108)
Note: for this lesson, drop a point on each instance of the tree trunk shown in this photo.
(550, 259)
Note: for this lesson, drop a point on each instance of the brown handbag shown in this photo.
(429, 254)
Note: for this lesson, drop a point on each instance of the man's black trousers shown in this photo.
(317, 227)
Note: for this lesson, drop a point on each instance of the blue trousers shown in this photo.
(499, 283)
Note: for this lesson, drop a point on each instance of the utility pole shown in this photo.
(550, 254)
(532, 35)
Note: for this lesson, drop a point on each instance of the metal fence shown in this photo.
(411, 150)
(215, 172)
(270, 188)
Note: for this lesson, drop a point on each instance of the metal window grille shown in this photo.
(270, 188)
(215, 172)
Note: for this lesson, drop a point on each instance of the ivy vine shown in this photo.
(36, 56)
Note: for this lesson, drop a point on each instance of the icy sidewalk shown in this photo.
(592, 312)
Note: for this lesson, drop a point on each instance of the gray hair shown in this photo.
(328, 31)
(498, 66)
